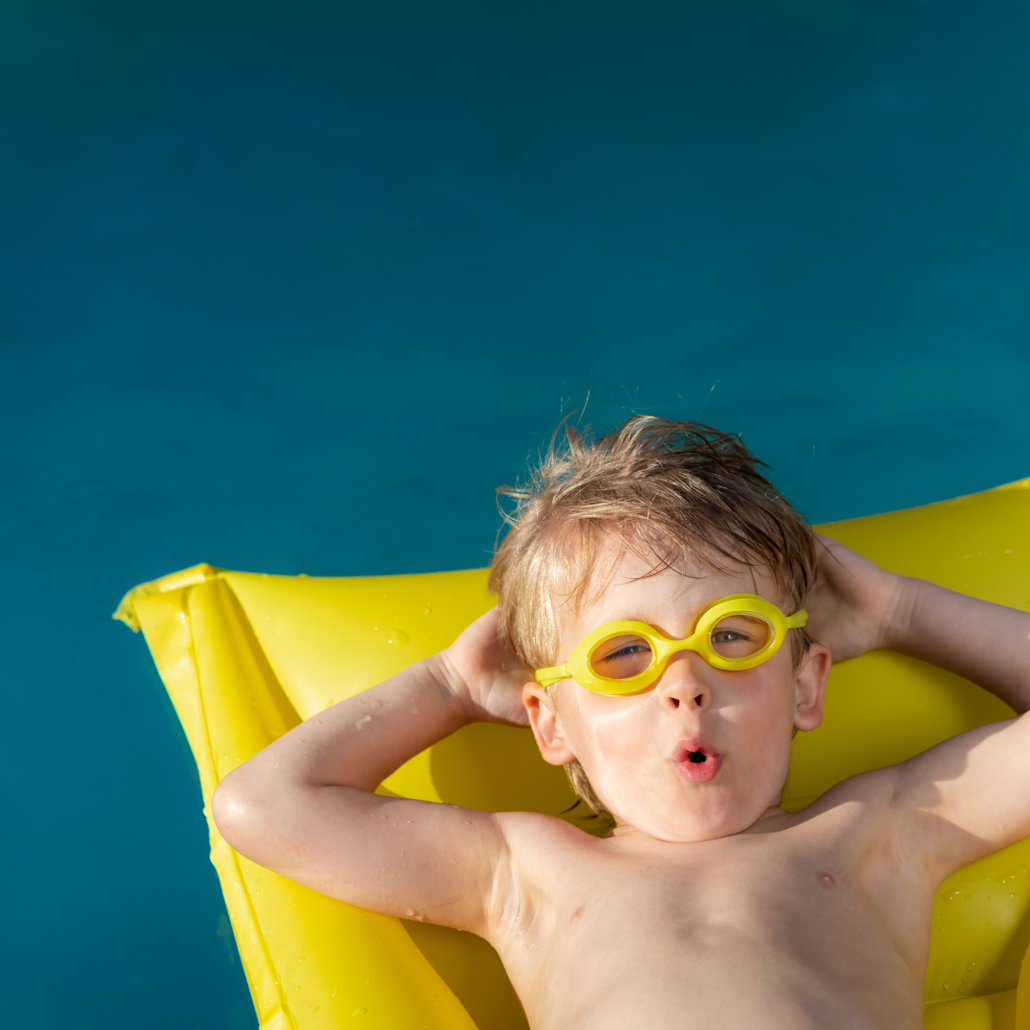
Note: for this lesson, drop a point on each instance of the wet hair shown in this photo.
(669, 492)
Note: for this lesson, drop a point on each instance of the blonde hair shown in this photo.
(669, 492)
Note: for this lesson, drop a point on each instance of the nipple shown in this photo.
(697, 757)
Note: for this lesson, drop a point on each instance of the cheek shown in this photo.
(764, 725)
(762, 700)
(613, 727)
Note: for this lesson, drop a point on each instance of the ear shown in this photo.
(810, 686)
(543, 718)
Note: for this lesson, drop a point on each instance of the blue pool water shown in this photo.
(293, 286)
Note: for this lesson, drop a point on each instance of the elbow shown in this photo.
(237, 813)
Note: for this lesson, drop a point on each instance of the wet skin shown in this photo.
(708, 905)
(800, 921)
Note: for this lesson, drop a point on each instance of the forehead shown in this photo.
(624, 584)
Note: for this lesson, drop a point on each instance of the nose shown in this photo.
(684, 683)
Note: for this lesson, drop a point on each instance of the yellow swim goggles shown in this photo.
(736, 632)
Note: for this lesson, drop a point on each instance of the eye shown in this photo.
(740, 636)
(730, 636)
(621, 658)
(625, 652)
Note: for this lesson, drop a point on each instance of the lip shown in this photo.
(696, 772)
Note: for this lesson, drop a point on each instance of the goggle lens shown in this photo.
(621, 657)
(740, 636)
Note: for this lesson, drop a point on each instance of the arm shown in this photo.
(968, 796)
(303, 807)
(857, 607)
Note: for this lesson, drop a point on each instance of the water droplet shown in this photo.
(947, 985)
(359, 1011)
(363, 721)
(409, 911)
(971, 965)
(315, 1008)
(396, 637)
(330, 703)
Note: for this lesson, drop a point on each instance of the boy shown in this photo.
(654, 586)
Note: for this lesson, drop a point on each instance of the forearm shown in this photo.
(356, 743)
(304, 806)
(986, 643)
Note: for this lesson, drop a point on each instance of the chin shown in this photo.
(697, 833)
(684, 823)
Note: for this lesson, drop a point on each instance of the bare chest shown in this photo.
(778, 922)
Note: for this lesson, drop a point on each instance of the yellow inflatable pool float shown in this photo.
(247, 656)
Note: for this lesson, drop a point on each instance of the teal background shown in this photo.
(293, 286)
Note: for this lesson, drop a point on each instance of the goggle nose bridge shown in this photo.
(667, 649)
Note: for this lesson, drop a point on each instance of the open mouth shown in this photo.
(696, 761)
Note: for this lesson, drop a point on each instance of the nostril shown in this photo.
(697, 700)
(675, 702)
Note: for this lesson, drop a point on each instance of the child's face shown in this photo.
(634, 748)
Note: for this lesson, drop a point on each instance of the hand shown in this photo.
(484, 673)
(855, 605)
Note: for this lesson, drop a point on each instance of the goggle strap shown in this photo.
(798, 619)
(546, 677)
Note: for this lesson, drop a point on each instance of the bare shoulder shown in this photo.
(868, 794)
(952, 804)
(534, 840)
